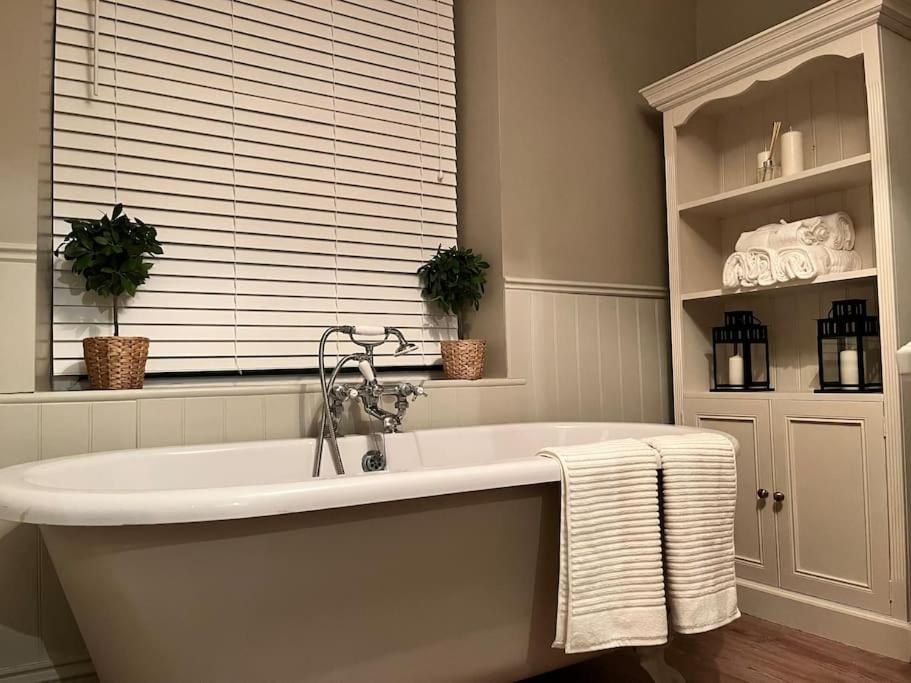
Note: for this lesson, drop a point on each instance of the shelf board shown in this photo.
(784, 396)
(826, 178)
(863, 274)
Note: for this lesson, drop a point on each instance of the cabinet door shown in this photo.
(830, 464)
(754, 527)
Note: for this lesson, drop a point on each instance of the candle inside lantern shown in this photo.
(847, 365)
(735, 370)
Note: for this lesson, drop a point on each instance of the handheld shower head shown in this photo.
(405, 346)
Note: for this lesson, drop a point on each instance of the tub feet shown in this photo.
(651, 659)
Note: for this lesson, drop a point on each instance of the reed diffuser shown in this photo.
(765, 160)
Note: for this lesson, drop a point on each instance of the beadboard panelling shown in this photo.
(829, 108)
(282, 415)
(161, 422)
(244, 418)
(65, 429)
(590, 356)
(204, 420)
(19, 434)
(113, 426)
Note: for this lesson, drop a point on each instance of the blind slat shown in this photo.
(297, 179)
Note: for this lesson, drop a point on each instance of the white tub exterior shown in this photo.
(230, 563)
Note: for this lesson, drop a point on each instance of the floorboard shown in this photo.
(748, 651)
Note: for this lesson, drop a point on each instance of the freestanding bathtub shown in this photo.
(229, 563)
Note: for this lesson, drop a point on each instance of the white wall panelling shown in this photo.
(582, 356)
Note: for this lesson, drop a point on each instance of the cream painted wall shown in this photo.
(588, 355)
(24, 130)
(581, 162)
(721, 23)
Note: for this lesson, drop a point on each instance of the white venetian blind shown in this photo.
(297, 157)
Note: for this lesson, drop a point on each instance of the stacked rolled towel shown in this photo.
(699, 485)
(611, 579)
(787, 251)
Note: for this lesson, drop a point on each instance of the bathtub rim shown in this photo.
(25, 502)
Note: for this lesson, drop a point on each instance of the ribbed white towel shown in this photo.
(763, 266)
(805, 263)
(834, 230)
(611, 579)
(699, 492)
(755, 266)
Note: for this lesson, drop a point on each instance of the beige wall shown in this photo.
(586, 160)
(721, 23)
(580, 158)
(24, 138)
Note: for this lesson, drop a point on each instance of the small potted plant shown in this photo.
(111, 255)
(454, 279)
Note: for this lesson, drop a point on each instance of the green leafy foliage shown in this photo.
(110, 253)
(454, 278)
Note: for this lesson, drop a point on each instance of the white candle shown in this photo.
(847, 364)
(791, 152)
(735, 370)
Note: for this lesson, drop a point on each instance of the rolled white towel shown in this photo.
(762, 266)
(757, 266)
(834, 230)
(736, 271)
(806, 263)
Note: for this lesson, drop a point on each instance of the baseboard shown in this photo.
(46, 672)
(866, 630)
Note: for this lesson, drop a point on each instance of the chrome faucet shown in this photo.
(370, 391)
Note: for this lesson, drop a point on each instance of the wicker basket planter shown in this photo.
(464, 358)
(116, 362)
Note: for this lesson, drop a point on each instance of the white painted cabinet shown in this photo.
(748, 421)
(830, 466)
(827, 534)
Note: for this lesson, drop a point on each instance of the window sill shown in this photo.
(235, 386)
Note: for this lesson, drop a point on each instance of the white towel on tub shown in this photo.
(611, 578)
(699, 487)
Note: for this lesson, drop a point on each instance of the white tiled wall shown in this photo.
(584, 357)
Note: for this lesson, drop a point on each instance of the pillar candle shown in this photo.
(791, 152)
(847, 364)
(735, 370)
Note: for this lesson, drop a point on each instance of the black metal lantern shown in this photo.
(740, 353)
(849, 349)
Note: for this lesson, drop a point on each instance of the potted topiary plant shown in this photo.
(454, 279)
(110, 254)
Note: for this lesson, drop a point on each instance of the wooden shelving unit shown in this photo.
(839, 535)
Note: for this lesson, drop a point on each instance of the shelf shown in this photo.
(783, 396)
(827, 178)
(863, 274)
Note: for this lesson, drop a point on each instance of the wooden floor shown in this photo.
(749, 650)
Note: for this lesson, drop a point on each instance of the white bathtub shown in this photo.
(230, 563)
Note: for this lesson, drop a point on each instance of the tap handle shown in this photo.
(419, 391)
(368, 330)
(367, 371)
